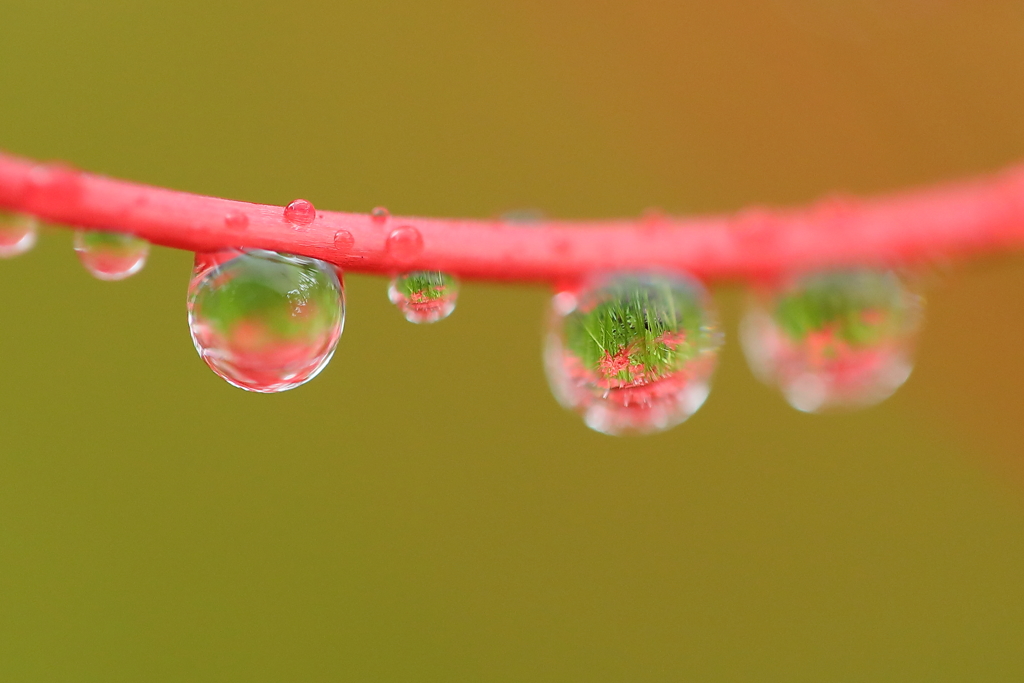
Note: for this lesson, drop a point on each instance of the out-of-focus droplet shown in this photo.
(343, 240)
(110, 255)
(653, 219)
(424, 296)
(56, 184)
(300, 212)
(380, 215)
(404, 244)
(236, 220)
(526, 217)
(17, 233)
(264, 321)
(632, 353)
(834, 340)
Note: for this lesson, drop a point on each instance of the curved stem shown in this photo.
(953, 220)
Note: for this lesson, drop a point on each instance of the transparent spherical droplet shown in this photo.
(110, 255)
(424, 296)
(837, 340)
(17, 233)
(264, 321)
(300, 212)
(236, 220)
(380, 215)
(632, 353)
(404, 243)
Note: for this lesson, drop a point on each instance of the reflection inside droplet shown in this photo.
(110, 255)
(264, 321)
(633, 353)
(837, 340)
(424, 296)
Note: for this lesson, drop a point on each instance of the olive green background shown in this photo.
(423, 511)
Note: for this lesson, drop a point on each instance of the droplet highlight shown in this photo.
(632, 353)
(380, 215)
(17, 233)
(404, 244)
(424, 296)
(264, 321)
(833, 341)
(110, 255)
(300, 212)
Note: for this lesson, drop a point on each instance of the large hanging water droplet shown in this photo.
(17, 233)
(833, 340)
(424, 296)
(264, 321)
(300, 212)
(110, 255)
(633, 353)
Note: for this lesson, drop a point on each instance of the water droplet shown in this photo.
(264, 321)
(56, 184)
(833, 340)
(633, 353)
(110, 255)
(17, 233)
(561, 247)
(653, 219)
(404, 243)
(300, 212)
(380, 215)
(343, 240)
(526, 217)
(236, 220)
(424, 296)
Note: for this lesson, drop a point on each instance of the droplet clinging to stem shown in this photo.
(424, 296)
(833, 340)
(110, 255)
(263, 321)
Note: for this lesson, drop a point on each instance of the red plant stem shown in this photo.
(953, 220)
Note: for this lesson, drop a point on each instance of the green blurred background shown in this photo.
(423, 511)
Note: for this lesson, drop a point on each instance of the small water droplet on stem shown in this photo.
(56, 184)
(404, 244)
(380, 215)
(236, 220)
(343, 241)
(300, 212)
